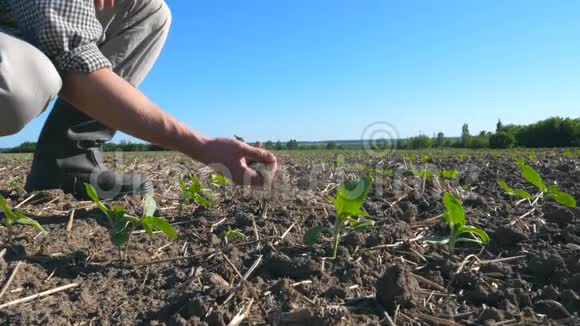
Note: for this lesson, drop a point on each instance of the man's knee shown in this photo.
(14, 117)
(160, 14)
(28, 82)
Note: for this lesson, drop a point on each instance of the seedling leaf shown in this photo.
(160, 224)
(117, 213)
(524, 194)
(456, 213)
(448, 174)
(231, 233)
(362, 225)
(424, 174)
(23, 219)
(148, 229)
(119, 226)
(446, 217)
(194, 192)
(455, 217)
(311, 236)
(182, 183)
(122, 224)
(8, 214)
(92, 193)
(120, 238)
(567, 153)
(351, 196)
(533, 177)
(218, 179)
(348, 203)
(478, 232)
(563, 198)
(204, 202)
(506, 188)
(15, 216)
(517, 192)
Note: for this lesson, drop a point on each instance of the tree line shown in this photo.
(552, 132)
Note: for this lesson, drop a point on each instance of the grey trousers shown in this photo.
(134, 32)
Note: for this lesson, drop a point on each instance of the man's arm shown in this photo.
(114, 102)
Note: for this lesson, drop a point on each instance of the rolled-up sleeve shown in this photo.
(67, 31)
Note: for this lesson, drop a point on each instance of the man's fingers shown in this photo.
(259, 154)
(254, 178)
(246, 176)
(111, 3)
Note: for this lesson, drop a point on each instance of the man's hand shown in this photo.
(102, 4)
(232, 157)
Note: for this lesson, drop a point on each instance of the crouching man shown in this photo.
(93, 55)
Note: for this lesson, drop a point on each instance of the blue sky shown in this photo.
(325, 69)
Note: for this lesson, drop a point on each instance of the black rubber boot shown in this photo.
(69, 154)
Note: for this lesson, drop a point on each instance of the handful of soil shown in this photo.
(263, 170)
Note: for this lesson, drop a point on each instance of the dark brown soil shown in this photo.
(529, 274)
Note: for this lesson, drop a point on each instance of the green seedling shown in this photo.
(218, 180)
(567, 153)
(448, 174)
(233, 234)
(348, 202)
(546, 192)
(428, 174)
(15, 216)
(371, 171)
(340, 160)
(13, 183)
(515, 192)
(455, 218)
(423, 174)
(532, 155)
(194, 193)
(123, 225)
